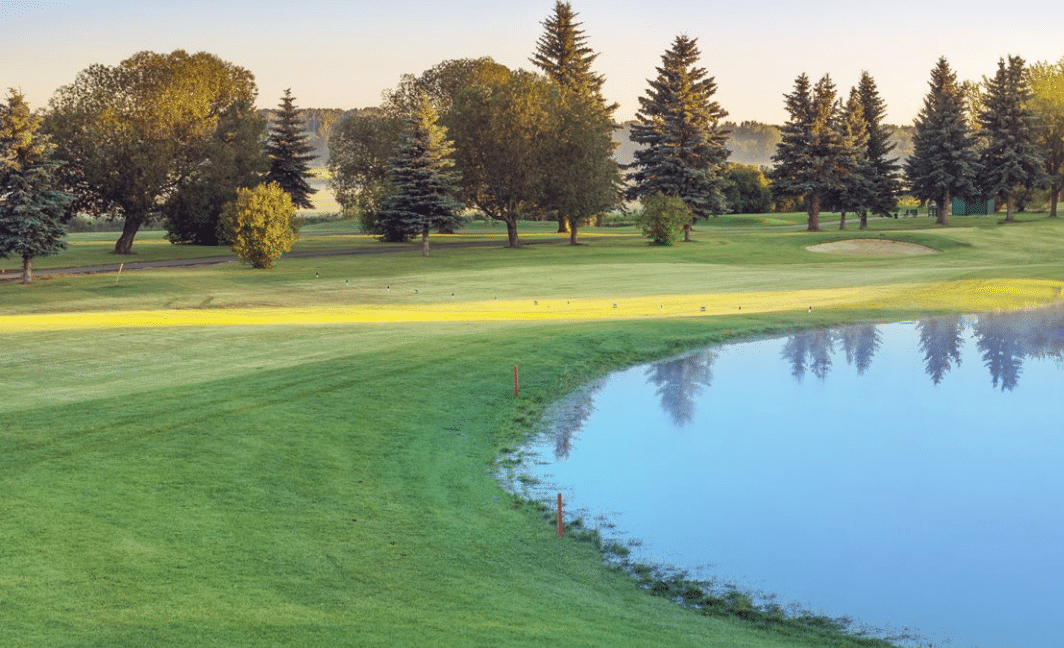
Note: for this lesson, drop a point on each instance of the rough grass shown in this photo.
(331, 484)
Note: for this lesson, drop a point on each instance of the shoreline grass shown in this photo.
(307, 483)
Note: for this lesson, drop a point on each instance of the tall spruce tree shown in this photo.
(290, 153)
(857, 189)
(422, 173)
(814, 159)
(883, 175)
(944, 162)
(31, 207)
(563, 55)
(1010, 158)
(679, 127)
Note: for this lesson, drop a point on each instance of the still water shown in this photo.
(908, 475)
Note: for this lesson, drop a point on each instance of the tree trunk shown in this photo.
(1010, 216)
(511, 232)
(425, 241)
(813, 209)
(842, 220)
(864, 219)
(687, 232)
(944, 204)
(27, 270)
(572, 233)
(130, 227)
(1054, 197)
(562, 222)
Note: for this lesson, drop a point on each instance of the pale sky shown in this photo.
(344, 53)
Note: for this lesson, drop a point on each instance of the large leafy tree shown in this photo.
(132, 135)
(564, 57)
(944, 162)
(1047, 102)
(31, 207)
(883, 171)
(193, 210)
(1010, 158)
(359, 153)
(816, 157)
(501, 131)
(679, 126)
(422, 173)
(290, 153)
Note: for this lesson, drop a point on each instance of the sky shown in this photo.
(344, 53)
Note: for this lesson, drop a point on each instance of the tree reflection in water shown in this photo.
(680, 381)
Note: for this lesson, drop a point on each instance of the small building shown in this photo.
(973, 207)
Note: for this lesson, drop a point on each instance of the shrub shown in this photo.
(663, 218)
(259, 224)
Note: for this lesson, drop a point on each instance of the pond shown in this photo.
(910, 475)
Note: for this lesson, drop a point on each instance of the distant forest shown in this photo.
(750, 142)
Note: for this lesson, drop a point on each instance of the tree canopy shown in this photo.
(132, 135)
(1047, 102)
(258, 224)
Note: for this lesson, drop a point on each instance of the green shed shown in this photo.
(977, 207)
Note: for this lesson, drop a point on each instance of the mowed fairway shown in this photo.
(305, 456)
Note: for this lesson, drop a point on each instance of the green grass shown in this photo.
(333, 485)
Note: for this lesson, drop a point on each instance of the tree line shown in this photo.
(174, 136)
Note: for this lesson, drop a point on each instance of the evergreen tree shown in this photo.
(31, 208)
(563, 55)
(290, 153)
(814, 159)
(1010, 158)
(943, 163)
(883, 172)
(422, 173)
(856, 193)
(678, 124)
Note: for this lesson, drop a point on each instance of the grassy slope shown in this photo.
(331, 485)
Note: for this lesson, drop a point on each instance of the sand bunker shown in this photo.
(873, 247)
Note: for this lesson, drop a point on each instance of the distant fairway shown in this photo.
(306, 456)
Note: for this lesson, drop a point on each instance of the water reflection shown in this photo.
(680, 382)
(940, 342)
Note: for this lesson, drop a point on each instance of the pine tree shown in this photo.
(943, 163)
(563, 55)
(678, 124)
(884, 171)
(290, 154)
(857, 189)
(1010, 158)
(814, 159)
(422, 173)
(30, 206)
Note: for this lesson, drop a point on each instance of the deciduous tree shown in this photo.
(678, 124)
(258, 224)
(944, 161)
(422, 173)
(1047, 102)
(290, 153)
(131, 135)
(663, 218)
(31, 207)
(359, 152)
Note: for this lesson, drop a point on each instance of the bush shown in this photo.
(663, 218)
(259, 224)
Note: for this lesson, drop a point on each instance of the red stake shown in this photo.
(561, 526)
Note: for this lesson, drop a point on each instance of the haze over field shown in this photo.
(335, 53)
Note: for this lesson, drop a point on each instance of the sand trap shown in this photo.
(873, 247)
